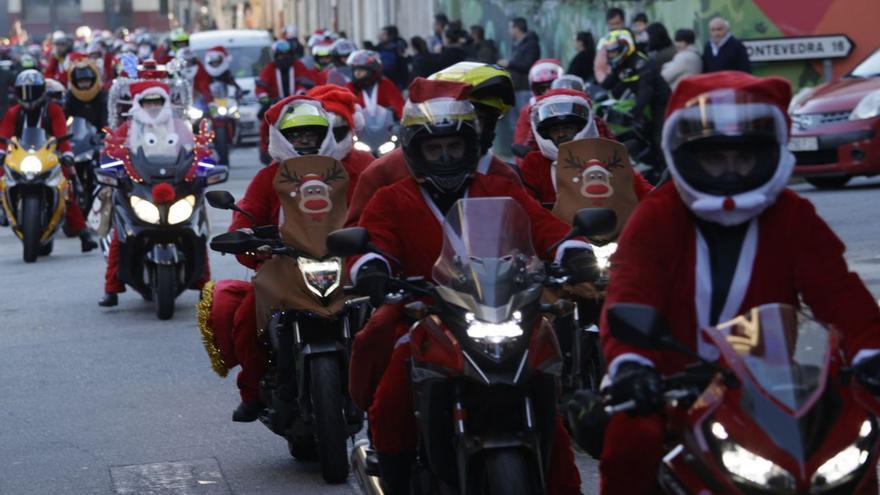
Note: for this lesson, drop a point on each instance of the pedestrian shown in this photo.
(423, 62)
(639, 28)
(392, 51)
(453, 48)
(660, 47)
(526, 51)
(435, 42)
(723, 51)
(482, 50)
(687, 60)
(614, 20)
(582, 63)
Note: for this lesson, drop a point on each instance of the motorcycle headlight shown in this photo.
(83, 157)
(222, 111)
(386, 148)
(362, 146)
(748, 467)
(181, 210)
(146, 211)
(839, 468)
(194, 113)
(321, 277)
(31, 166)
(868, 107)
(603, 255)
(494, 333)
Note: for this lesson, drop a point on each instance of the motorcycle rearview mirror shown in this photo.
(235, 242)
(638, 325)
(222, 200)
(594, 222)
(348, 242)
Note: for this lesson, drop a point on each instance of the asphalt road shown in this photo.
(113, 401)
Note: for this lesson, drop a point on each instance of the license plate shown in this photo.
(810, 143)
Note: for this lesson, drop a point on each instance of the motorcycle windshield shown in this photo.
(488, 266)
(81, 129)
(32, 138)
(786, 355)
(219, 90)
(162, 168)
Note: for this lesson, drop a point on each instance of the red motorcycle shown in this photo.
(777, 413)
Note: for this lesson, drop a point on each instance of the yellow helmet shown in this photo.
(619, 45)
(491, 85)
(303, 115)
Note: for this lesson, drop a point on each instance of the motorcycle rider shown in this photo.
(86, 97)
(491, 95)
(370, 86)
(300, 126)
(560, 116)
(541, 77)
(179, 38)
(340, 72)
(151, 119)
(103, 61)
(730, 237)
(34, 109)
(217, 65)
(634, 72)
(441, 144)
(145, 46)
(62, 46)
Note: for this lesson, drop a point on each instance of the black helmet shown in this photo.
(370, 62)
(441, 117)
(30, 88)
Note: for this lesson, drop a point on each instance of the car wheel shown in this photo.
(828, 182)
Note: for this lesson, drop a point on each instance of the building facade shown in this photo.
(40, 17)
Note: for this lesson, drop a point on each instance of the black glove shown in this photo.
(639, 383)
(580, 264)
(868, 374)
(587, 420)
(67, 161)
(372, 281)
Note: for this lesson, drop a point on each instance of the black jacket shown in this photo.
(522, 57)
(483, 51)
(640, 75)
(451, 55)
(582, 65)
(731, 56)
(94, 111)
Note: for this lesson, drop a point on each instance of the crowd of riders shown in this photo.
(717, 235)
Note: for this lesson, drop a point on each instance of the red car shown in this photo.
(836, 127)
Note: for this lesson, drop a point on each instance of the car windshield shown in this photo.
(870, 67)
(488, 266)
(785, 354)
(247, 61)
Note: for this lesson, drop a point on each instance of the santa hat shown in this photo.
(142, 119)
(773, 91)
(562, 95)
(223, 67)
(343, 103)
(422, 90)
(219, 49)
(545, 70)
(74, 57)
(280, 148)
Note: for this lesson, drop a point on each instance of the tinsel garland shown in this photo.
(203, 315)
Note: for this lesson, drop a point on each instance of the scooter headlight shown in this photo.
(362, 146)
(194, 113)
(181, 210)
(603, 255)
(146, 211)
(321, 277)
(747, 467)
(494, 333)
(222, 111)
(31, 166)
(386, 148)
(838, 469)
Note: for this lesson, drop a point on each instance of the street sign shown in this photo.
(799, 48)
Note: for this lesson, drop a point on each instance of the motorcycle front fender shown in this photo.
(163, 254)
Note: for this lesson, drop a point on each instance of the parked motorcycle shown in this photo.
(34, 191)
(777, 413)
(309, 322)
(380, 133)
(485, 362)
(160, 218)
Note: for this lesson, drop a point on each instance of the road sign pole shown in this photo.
(826, 70)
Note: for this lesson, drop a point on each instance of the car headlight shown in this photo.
(841, 465)
(868, 107)
(603, 255)
(321, 277)
(221, 111)
(181, 210)
(31, 166)
(144, 210)
(494, 333)
(748, 466)
(194, 113)
(362, 146)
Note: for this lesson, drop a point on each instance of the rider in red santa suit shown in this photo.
(541, 77)
(724, 236)
(370, 86)
(217, 69)
(441, 144)
(151, 120)
(492, 96)
(560, 116)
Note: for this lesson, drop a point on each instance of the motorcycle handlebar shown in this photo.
(668, 396)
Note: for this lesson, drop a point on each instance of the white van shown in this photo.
(250, 50)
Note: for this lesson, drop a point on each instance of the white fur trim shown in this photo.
(570, 244)
(217, 71)
(343, 148)
(142, 124)
(627, 357)
(358, 118)
(362, 261)
(280, 148)
(547, 147)
(483, 164)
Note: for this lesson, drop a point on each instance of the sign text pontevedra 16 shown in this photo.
(799, 48)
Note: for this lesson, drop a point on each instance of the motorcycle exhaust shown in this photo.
(363, 463)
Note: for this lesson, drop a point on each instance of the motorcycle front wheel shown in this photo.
(221, 141)
(506, 473)
(165, 291)
(330, 427)
(31, 227)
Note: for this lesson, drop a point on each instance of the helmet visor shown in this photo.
(30, 93)
(438, 112)
(571, 111)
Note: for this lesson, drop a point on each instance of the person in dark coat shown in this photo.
(391, 50)
(423, 63)
(482, 50)
(453, 50)
(660, 46)
(582, 63)
(525, 52)
(723, 51)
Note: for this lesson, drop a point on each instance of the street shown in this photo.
(114, 401)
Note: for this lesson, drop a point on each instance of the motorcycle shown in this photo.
(86, 144)
(309, 325)
(485, 362)
(34, 191)
(777, 413)
(224, 118)
(160, 219)
(380, 133)
(617, 114)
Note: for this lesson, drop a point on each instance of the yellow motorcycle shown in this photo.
(34, 191)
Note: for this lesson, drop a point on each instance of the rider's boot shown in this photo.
(110, 299)
(86, 241)
(247, 411)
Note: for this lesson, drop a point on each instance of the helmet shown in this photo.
(441, 117)
(542, 74)
(217, 61)
(568, 81)
(305, 126)
(291, 31)
(179, 38)
(55, 90)
(619, 45)
(84, 81)
(61, 43)
(281, 47)
(323, 55)
(27, 61)
(341, 49)
(369, 61)
(60, 37)
(30, 88)
(561, 108)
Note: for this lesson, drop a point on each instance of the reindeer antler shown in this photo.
(287, 176)
(333, 174)
(616, 161)
(572, 161)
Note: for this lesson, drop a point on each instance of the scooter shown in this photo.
(380, 133)
(224, 118)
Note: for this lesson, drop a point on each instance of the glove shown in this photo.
(587, 420)
(580, 263)
(372, 281)
(639, 383)
(868, 374)
(67, 161)
(264, 100)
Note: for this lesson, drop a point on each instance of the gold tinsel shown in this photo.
(203, 314)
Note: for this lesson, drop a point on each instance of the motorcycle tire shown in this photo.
(165, 291)
(593, 362)
(505, 472)
(303, 448)
(221, 142)
(31, 227)
(46, 249)
(329, 417)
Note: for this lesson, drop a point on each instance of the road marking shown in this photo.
(196, 477)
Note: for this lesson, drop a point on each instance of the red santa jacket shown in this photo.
(522, 133)
(796, 255)
(55, 125)
(162, 55)
(390, 168)
(55, 70)
(261, 200)
(537, 173)
(389, 96)
(270, 80)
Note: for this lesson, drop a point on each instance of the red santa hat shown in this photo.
(280, 148)
(217, 71)
(219, 49)
(337, 100)
(545, 70)
(74, 57)
(562, 97)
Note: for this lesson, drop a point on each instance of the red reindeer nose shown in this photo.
(315, 204)
(163, 193)
(596, 189)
